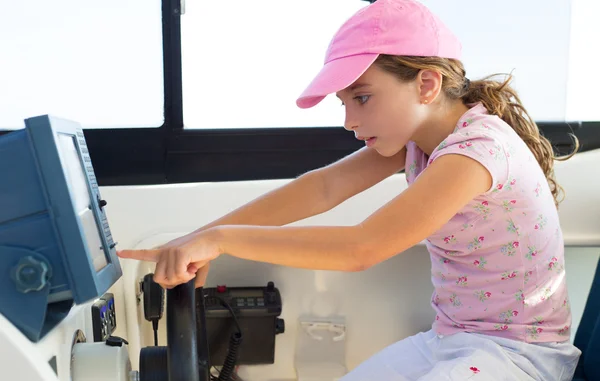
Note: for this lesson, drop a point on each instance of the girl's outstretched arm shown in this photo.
(444, 188)
(447, 185)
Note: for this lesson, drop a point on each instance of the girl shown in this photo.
(481, 194)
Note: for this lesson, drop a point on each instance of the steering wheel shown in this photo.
(185, 358)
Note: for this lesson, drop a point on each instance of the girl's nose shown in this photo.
(350, 123)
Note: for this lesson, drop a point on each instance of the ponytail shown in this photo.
(502, 100)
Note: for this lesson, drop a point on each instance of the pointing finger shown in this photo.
(142, 255)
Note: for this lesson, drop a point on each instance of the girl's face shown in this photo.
(383, 111)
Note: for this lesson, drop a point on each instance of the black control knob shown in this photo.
(270, 286)
(279, 326)
(102, 203)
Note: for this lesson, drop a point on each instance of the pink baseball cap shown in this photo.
(394, 27)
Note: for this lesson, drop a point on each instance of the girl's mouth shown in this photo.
(370, 141)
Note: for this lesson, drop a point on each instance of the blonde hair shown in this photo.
(497, 97)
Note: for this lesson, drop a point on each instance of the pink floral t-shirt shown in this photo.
(498, 265)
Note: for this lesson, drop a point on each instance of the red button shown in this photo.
(222, 288)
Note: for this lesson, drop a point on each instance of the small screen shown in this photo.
(246, 293)
(76, 178)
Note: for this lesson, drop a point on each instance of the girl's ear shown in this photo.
(430, 84)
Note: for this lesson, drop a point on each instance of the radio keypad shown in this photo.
(249, 302)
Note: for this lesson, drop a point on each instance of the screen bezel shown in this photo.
(90, 193)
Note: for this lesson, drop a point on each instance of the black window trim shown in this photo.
(171, 154)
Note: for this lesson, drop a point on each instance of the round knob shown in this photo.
(270, 286)
(102, 203)
(30, 274)
(279, 326)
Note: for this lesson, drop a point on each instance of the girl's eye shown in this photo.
(362, 99)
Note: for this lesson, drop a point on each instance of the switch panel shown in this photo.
(104, 319)
(112, 314)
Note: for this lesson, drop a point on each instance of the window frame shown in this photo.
(170, 154)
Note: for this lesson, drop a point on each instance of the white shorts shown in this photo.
(468, 356)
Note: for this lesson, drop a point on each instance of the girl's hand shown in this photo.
(180, 260)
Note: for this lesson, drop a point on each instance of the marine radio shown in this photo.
(254, 312)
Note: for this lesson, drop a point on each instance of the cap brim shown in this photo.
(335, 76)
